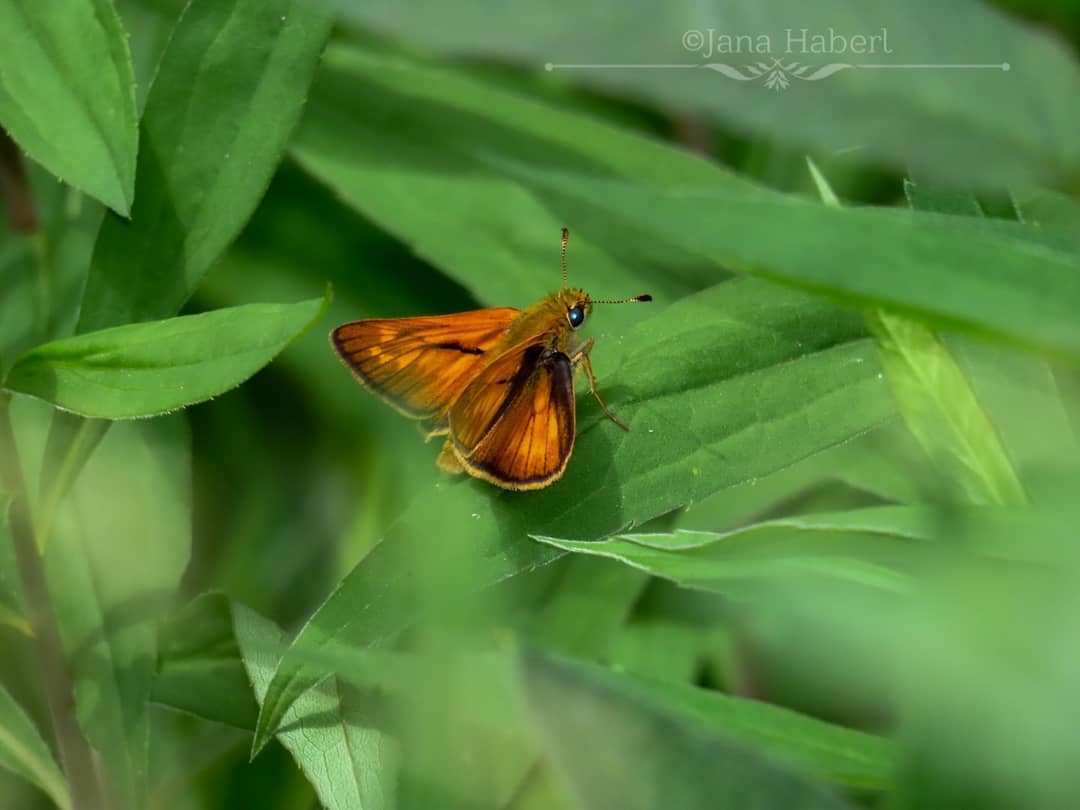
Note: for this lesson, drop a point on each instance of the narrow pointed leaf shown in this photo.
(871, 547)
(942, 412)
(145, 369)
(24, 752)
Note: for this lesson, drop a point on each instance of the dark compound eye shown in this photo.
(576, 316)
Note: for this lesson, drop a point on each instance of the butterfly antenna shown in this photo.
(637, 299)
(565, 239)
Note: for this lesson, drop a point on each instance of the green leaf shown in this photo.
(492, 232)
(200, 670)
(71, 442)
(351, 767)
(622, 743)
(588, 602)
(1003, 413)
(1003, 283)
(67, 93)
(989, 125)
(842, 755)
(868, 547)
(942, 412)
(24, 752)
(722, 387)
(228, 91)
(875, 463)
(120, 544)
(145, 369)
(932, 392)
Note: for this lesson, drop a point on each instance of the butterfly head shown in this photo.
(577, 302)
(576, 305)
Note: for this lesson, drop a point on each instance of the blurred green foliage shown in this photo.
(833, 563)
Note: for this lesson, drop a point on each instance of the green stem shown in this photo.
(76, 757)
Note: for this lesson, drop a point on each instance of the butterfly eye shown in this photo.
(576, 316)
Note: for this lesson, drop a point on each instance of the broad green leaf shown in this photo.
(869, 547)
(145, 369)
(24, 752)
(888, 465)
(996, 283)
(200, 670)
(227, 93)
(351, 767)
(492, 232)
(720, 388)
(615, 744)
(120, 544)
(67, 93)
(987, 125)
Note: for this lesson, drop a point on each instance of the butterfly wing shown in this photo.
(514, 424)
(420, 365)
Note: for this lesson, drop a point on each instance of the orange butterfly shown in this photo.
(498, 382)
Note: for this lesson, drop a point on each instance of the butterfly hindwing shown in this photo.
(514, 424)
(419, 365)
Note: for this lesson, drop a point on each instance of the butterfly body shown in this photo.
(498, 382)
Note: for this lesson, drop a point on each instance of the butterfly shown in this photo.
(498, 383)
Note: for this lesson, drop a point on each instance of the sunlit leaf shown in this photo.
(144, 369)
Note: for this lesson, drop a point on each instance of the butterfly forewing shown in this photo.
(420, 365)
(514, 424)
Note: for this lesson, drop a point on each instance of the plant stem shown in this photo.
(15, 187)
(76, 758)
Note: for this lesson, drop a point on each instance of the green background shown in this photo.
(833, 562)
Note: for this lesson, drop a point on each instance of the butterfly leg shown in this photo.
(581, 358)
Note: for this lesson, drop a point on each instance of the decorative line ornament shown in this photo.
(777, 75)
